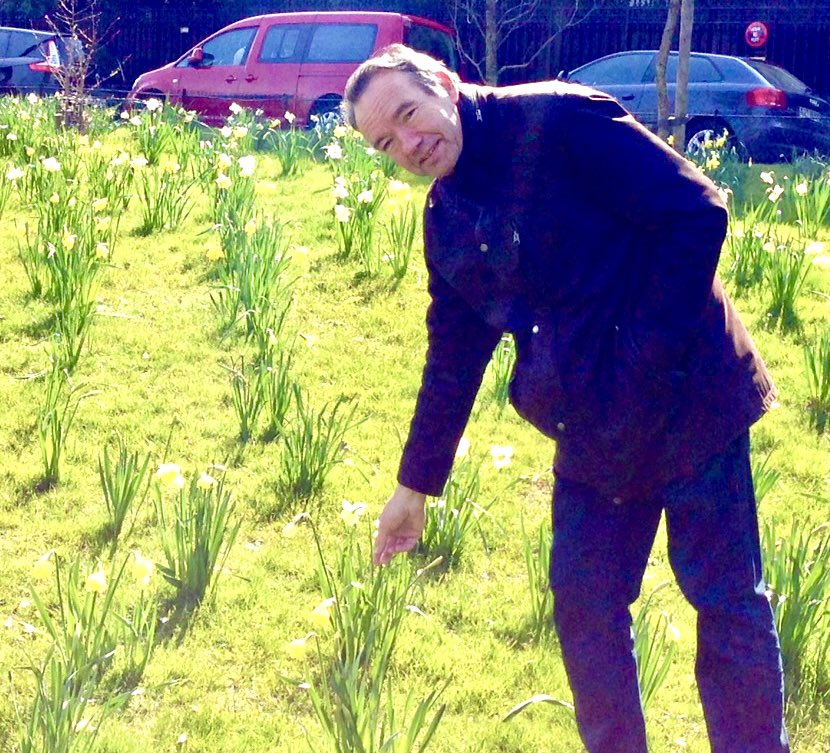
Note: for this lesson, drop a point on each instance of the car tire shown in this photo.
(700, 131)
(325, 113)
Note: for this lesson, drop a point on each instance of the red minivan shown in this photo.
(286, 62)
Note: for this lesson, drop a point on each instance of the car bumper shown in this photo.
(776, 138)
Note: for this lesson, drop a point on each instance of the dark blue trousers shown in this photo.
(600, 552)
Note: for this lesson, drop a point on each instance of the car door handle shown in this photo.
(230, 79)
(250, 77)
(627, 97)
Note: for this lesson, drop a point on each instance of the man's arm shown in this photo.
(460, 346)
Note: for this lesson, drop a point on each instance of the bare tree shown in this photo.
(663, 114)
(78, 23)
(484, 27)
(681, 100)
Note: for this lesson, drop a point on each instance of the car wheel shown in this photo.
(698, 133)
(325, 114)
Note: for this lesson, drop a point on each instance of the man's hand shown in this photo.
(401, 524)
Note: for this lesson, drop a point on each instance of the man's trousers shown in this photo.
(600, 551)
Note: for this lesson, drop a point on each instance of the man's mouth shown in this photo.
(429, 153)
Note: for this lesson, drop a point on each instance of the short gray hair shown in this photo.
(395, 57)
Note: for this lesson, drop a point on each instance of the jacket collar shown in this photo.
(473, 171)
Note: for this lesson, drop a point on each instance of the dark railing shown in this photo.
(145, 38)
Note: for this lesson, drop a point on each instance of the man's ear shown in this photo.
(447, 83)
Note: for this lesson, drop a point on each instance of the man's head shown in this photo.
(404, 104)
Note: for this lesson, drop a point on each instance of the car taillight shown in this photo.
(774, 99)
(51, 62)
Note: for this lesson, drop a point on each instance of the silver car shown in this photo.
(767, 113)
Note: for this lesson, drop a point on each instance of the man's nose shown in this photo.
(410, 140)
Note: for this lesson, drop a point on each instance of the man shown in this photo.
(556, 217)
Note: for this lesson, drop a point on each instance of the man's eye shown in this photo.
(410, 113)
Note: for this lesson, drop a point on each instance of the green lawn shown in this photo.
(222, 677)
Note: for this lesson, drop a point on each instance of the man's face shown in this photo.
(419, 130)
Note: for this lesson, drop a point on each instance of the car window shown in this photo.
(4, 42)
(341, 43)
(619, 69)
(281, 44)
(230, 48)
(436, 43)
(701, 70)
(779, 77)
(22, 43)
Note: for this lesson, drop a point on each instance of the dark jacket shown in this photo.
(571, 226)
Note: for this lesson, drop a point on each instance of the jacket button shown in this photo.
(484, 248)
(561, 426)
(617, 500)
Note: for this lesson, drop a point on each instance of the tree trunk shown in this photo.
(681, 103)
(491, 43)
(663, 128)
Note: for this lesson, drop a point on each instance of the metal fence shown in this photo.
(146, 38)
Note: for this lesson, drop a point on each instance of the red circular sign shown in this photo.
(757, 34)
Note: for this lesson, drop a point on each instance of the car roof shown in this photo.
(345, 15)
(33, 32)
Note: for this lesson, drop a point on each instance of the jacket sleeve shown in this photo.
(675, 211)
(460, 346)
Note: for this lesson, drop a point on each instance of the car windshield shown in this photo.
(779, 77)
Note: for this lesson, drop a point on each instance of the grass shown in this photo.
(155, 359)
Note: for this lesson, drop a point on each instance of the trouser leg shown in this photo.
(600, 551)
(715, 553)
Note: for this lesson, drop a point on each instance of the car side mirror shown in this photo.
(562, 75)
(196, 56)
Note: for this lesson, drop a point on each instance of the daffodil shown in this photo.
(32, 98)
(54, 199)
(213, 251)
(205, 482)
(51, 165)
(99, 205)
(68, 240)
(767, 177)
(139, 162)
(11, 137)
(223, 181)
(124, 115)
(463, 448)
(365, 197)
(170, 474)
(775, 193)
(153, 105)
(142, 569)
(223, 160)
(250, 227)
(342, 213)
(340, 131)
(135, 120)
(240, 132)
(43, 567)
(102, 224)
(502, 456)
(247, 165)
(235, 108)
(299, 647)
(321, 614)
(333, 151)
(290, 117)
(101, 250)
(13, 174)
(351, 513)
(30, 151)
(802, 188)
(97, 582)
